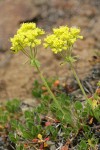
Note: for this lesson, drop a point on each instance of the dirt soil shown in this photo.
(16, 77)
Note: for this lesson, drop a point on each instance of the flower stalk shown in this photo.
(60, 41)
(48, 88)
(78, 80)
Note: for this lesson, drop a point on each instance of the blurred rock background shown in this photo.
(16, 78)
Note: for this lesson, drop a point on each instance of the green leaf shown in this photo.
(14, 124)
(86, 128)
(84, 114)
(68, 117)
(68, 131)
(4, 117)
(53, 131)
(35, 63)
(28, 114)
(20, 147)
(27, 135)
(32, 63)
(13, 138)
(29, 124)
(64, 100)
(35, 130)
(13, 106)
(78, 105)
(21, 127)
(37, 90)
(83, 145)
(97, 113)
(39, 108)
(70, 59)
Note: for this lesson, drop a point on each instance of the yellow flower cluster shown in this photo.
(62, 38)
(27, 36)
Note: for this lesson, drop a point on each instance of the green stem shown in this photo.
(49, 90)
(31, 52)
(35, 52)
(81, 87)
(24, 51)
(78, 81)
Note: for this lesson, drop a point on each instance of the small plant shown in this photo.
(13, 106)
(9, 110)
(37, 128)
(64, 118)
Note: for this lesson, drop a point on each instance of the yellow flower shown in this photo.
(94, 103)
(62, 38)
(27, 36)
(40, 136)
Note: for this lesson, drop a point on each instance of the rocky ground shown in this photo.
(16, 78)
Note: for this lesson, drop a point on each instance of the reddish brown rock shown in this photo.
(12, 13)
